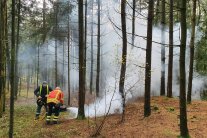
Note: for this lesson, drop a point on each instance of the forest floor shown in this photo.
(163, 122)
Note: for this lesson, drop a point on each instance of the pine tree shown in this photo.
(81, 101)
(170, 62)
(124, 55)
(147, 110)
(183, 113)
(193, 24)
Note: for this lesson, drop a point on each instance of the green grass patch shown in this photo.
(170, 109)
(23, 118)
(188, 136)
(155, 107)
(26, 127)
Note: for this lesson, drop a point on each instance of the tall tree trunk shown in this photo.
(44, 21)
(38, 63)
(45, 75)
(98, 50)
(5, 58)
(178, 2)
(8, 60)
(68, 64)
(133, 22)
(162, 87)
(12, 76)
(20, 85)
(17, 50)
(43, 33)
(56, 62)
(157, 11)
(56, 25)
(4, 91)
(63, 66)
(170, 62)
(81, 101)
(193, 24)
(86, 29)
(124, 56)
(1, 60)
(183, 113)
(147, 110)
(73, 61)
(91, 73)
(68, 57)
(28, 79)
(3, 43)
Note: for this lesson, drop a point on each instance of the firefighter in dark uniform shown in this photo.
(41, 93)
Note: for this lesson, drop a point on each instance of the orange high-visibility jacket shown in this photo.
(55, 96)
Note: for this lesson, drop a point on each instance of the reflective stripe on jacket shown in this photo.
(55, 96)
(41, 89)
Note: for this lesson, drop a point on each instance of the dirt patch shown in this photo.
(163, 122)
(21, 101)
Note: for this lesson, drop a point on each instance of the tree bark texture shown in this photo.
(162, 87)
(3, 44)
(1, 61)
(56, 43)
(81, 101)
(183, 113)
(68, 60)
(147, 110)
(98, 51)
(192, 41)
(12, 76)
(91, 72)
(85, 33)
(17, 50)
(170, 62)
(124, 56)
(133, 22)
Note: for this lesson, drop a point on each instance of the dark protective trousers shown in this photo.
(52, 107)
(39, 107)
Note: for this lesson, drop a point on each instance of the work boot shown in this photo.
(55, 122)
(47, 122)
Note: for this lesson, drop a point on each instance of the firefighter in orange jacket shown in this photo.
(54, 101)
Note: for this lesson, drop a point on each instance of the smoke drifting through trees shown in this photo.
(110, 59)
(136, 59)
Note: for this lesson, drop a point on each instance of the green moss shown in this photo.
(155, 107)
(188, 136)
(170, 109)
(81, 117)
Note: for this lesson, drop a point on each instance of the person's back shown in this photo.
(54, 100)
(56, 96)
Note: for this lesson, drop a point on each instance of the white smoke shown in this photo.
(134, 83)
(111, 55)
(108, 104)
